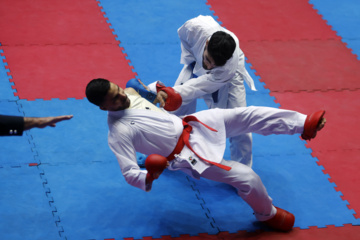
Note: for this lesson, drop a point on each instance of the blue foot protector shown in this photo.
(135, 84)
(141, 159)
(81, 139)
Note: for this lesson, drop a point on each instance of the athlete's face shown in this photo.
(115, 99)
(208, 62)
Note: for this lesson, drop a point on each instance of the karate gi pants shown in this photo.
(264, 121)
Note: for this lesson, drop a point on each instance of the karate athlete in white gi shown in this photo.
(196, 143)
(214, 69)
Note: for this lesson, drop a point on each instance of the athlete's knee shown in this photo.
(250, 180)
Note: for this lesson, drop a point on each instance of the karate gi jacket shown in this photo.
(193, 35)
(157, 132)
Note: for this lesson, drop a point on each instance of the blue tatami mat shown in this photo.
(6, 91)
(80, 139)
(144, 22)
(298, 184)
(25, 210)
(163, 63)
(295, 183)
(272, 144)
(344, 18)
(86, 183)
(94, 202)
(77, 191)
(148, 32)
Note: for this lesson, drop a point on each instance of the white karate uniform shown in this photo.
(228, 80)
(145, 128)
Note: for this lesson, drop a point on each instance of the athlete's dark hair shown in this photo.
(96, 90)
(221, 47)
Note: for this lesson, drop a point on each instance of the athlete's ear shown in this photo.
(103, 108)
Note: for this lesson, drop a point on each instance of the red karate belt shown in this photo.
(184, 140)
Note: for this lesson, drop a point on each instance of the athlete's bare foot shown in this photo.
(321, 124)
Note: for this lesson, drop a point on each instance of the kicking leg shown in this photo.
(241, 149)
(248, 185)
(251, 189)
(266, 121)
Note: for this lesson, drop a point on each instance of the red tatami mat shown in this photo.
(54, 48)
(343, 168)
(297, 53)
(304, 65)
(337, 146)
(269, 20)
(347, 232)
(342, 107)
(45, 72)
(52, 22)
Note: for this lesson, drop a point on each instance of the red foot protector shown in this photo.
(271, 20)
(46, 72)
(41, 22)
(282, 221)
(304, 65)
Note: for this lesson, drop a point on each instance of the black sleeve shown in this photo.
(11, 125)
